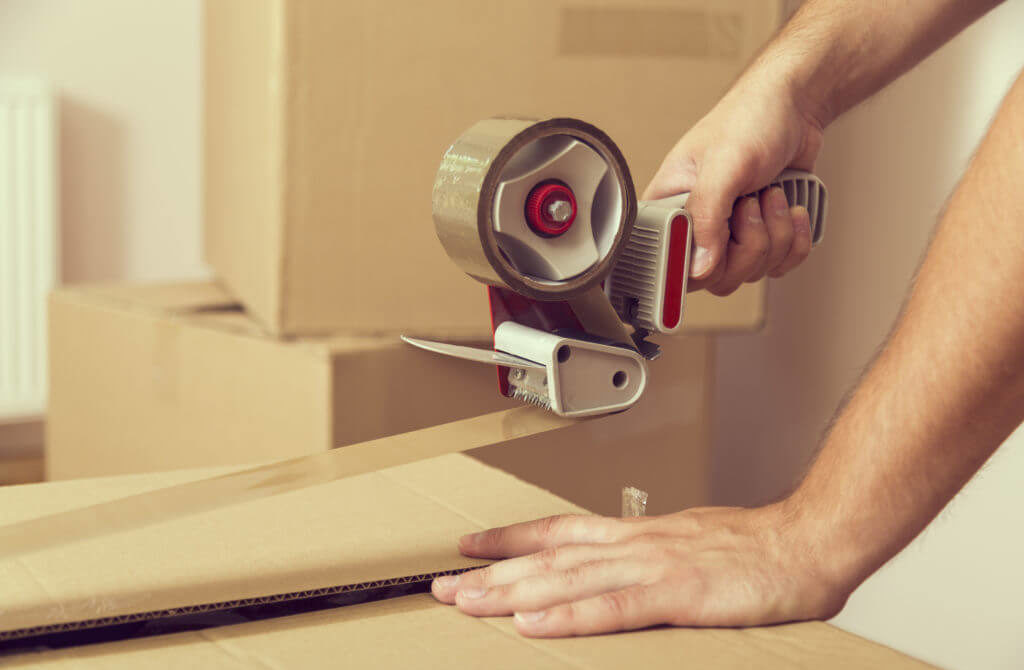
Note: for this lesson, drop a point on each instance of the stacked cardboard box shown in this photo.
(324, 125)
(326, 122)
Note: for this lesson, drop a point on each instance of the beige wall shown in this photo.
(954, 596)
(127, 72)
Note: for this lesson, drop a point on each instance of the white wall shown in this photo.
(954, 597)
(128, 75)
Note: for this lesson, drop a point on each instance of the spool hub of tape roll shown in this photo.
(541, 207)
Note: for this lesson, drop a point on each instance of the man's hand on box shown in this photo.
(583, 575)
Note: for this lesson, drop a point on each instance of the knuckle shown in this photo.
(503, 591)
(608, 529)
(617, 603)
(760, 245)
(481, 576)
(569, 614)
(494, 537)
(709, 229)
(782, 235)
(547, 559)
(653, 548)
(742, 161)
(573, 576)
(548, 527)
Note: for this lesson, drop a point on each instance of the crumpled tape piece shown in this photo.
(634, 502)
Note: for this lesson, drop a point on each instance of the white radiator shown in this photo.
(28, 240)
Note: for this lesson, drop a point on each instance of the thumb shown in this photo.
(677, 174)
(721, 180)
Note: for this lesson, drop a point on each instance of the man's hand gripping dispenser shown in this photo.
(579, 273)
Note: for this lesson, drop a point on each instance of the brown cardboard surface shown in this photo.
(391, 523)
(325, 123)
(276, 478)
(150, 377)
(399, 521)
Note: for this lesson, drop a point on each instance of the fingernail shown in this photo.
(471, 538)
(754, 212)
(530, 617)
(447, 581)
(778, 202)
(802, 223)
(701, 262)
(473, 594)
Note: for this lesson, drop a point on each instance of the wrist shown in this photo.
(794, 76)
(823, 542)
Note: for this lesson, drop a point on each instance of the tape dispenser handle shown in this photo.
(648, 290)
(801, 188)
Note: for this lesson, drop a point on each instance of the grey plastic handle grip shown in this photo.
(801, 189)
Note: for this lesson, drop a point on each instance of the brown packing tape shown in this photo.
(273, 479)
(598, 317)
(464, 192)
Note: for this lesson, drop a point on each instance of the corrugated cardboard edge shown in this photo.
(135, 617)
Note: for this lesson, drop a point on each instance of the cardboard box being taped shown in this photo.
(163, 376)
(325, 123)
(393, 526)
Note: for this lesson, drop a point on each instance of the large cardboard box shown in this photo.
(325, 123)
(155, 377)
(345, 538)
(161, 376)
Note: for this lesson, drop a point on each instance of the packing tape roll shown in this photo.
(464, 203)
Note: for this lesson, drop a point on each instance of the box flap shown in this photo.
(387, 524)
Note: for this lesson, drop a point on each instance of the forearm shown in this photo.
(835, 53)
(947, 388)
